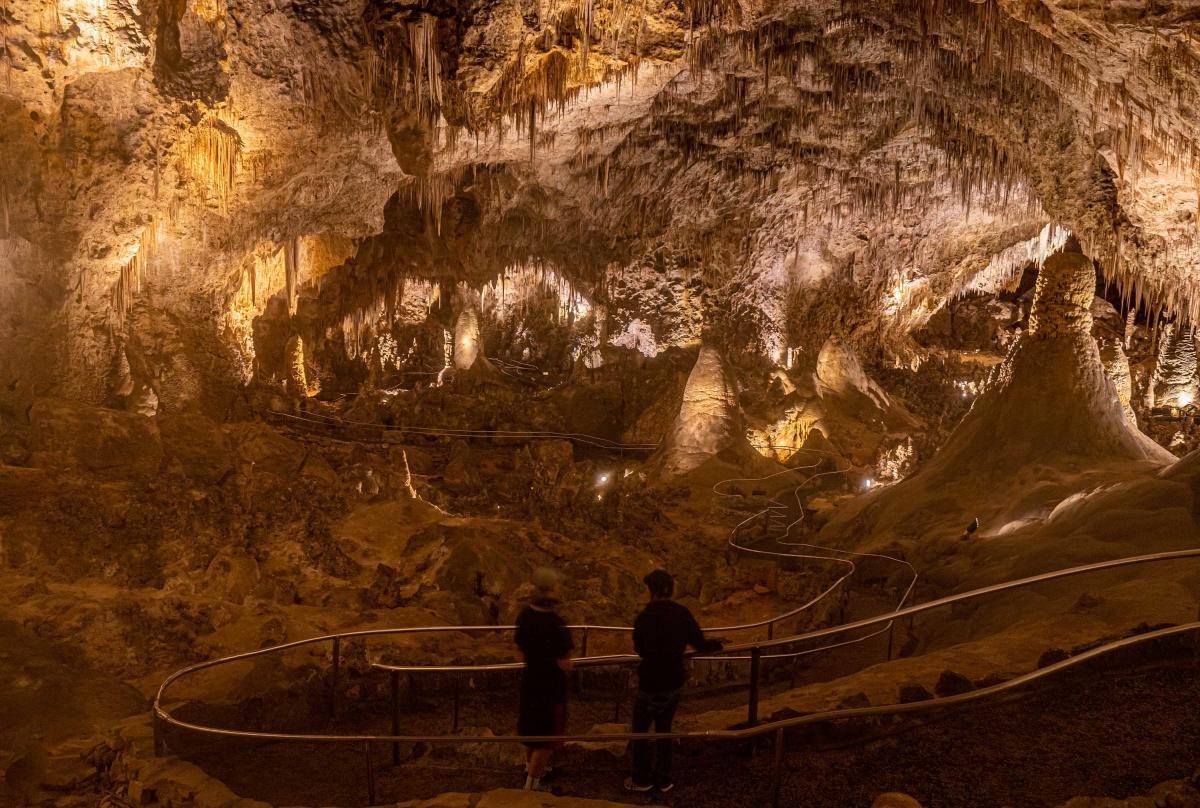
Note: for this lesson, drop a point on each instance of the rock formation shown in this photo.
(709, 424)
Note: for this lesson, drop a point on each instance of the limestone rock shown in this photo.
(1175, 794)
(914, 692)
(709, 423)
(460, 474)
(951, 683)
(198, 443)
(98, 440)
(894, 799)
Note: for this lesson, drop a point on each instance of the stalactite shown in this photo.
(134, 272)
(291, 265)
(212, 159)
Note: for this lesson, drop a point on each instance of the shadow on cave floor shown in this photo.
(1115, 730)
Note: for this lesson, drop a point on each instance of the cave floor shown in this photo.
(1115, 732)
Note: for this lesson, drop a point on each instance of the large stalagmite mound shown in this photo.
(1051, 401)
(1048, 420)
(709, 423)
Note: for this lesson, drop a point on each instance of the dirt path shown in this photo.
(1113, 733)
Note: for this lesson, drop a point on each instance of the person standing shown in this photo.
(545, 643)
(661, 635)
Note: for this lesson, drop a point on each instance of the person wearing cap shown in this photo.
(661, 636)
(545, 643)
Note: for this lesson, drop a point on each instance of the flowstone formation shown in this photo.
(1051, 401)
(1047, 418)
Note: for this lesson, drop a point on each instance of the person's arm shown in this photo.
(639, 635)
(565, 646)
(696, 639)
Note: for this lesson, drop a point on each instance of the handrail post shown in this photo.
(395, 677)
(337, 672)
(160, 742)
(777, 769)
(457, 692)
(891, 631)
(370, 773)
(621, 696)
(755, 663)
(583, 651)
(770, 630)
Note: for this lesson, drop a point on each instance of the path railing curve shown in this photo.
(753, 728)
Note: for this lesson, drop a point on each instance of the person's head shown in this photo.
(546, 582)
(660, 583)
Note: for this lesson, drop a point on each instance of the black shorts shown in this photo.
(542, 719)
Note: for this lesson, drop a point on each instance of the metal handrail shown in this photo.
(769, 622)
(775, 505)
(731, 734)
(591, 440)
(778, 728)
(755, 647)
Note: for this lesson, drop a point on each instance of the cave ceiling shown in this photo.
(162, 161)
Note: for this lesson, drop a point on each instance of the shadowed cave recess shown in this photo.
(329, 316)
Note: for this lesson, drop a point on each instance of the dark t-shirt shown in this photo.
(661, 635)
(543, 639)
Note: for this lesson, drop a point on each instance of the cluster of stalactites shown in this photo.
(134, 273)
(1004, 270)
(211, 158)
(413, 78)
(406, 301)
(515, 291)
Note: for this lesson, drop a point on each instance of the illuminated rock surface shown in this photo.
(323, 316)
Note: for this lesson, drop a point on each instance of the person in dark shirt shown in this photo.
(546, 645)
(661, 635)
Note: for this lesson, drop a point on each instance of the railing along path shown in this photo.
(771, 647)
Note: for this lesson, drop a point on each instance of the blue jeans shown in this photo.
(658, 709)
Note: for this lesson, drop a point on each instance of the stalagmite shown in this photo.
(447, 355)
(467, 346)
(1051, 399)
(709, 423)
(1175, 382)
(297, 377)
(1130, 327)
(840, 373)
(1116, 368)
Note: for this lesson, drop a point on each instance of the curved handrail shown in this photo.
(161, 713)
(769, 622)
(576, 437)
(774, 504)
(714, 734)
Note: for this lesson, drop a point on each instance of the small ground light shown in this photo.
(603, 479)
(867, 483)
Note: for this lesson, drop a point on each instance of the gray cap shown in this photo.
(546, 579)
